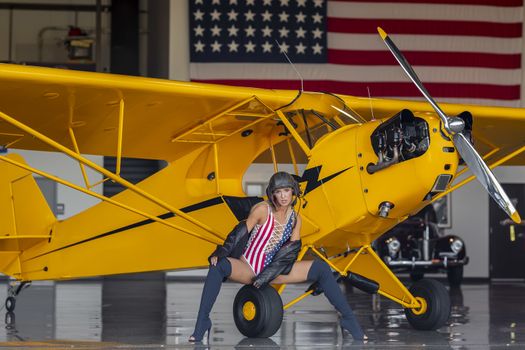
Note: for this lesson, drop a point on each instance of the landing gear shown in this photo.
(435, 305)
(9, 318)
(258, 313)
(13, 290)
(10, 303)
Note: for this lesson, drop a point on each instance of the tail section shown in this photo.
(25, 216)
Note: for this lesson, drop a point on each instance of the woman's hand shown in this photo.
(213, 260)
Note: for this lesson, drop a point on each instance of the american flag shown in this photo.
(466, 51)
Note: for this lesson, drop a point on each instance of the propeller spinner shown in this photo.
(454, 126)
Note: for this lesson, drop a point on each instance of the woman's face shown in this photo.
(283, 196)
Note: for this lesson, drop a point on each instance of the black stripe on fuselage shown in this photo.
(188, 209)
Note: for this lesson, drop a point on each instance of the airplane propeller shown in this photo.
(454, 126)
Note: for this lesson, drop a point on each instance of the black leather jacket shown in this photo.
(281, 264)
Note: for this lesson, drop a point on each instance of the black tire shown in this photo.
(268, 314)
(9, 318)
(10, 303)
(416, 276)
(455, 275)
(438, 305)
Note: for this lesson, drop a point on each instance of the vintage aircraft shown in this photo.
(363, 176)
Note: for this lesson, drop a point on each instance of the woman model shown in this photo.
(264, 249)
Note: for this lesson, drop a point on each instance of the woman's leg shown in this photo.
(241, 271)
(298, 274)
(320, 272)
(236, 270)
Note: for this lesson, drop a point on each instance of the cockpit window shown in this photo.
(329, 113)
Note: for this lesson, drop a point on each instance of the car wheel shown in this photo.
(258, 313)
(455, 275)
(435, 309)
(416, 276)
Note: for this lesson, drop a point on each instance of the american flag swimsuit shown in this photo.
(266, 240)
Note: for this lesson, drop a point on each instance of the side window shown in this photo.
(255, 188)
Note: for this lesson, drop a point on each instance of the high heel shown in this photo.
(320, 272)
(201, 328)
(216, 274)
(364, 339)
(352, 327)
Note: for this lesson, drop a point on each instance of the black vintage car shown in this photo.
(417, 246)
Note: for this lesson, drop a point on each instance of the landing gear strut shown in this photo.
(13, 290)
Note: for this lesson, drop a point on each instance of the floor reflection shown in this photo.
(159, 313)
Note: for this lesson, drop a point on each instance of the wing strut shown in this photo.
(294, 133)
(109, 200)
(107, 173)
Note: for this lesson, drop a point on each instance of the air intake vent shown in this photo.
(441, 183)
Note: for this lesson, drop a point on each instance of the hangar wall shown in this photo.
(30, 27)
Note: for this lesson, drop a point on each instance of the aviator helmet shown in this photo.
(280, 180)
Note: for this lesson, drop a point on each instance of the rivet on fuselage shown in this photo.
(366, 190)
(359, 155)
(434, 130)
(361, 168)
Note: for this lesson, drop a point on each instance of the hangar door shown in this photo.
(507, 240)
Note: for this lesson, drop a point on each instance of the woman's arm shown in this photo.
(296, 233)
(258, 215)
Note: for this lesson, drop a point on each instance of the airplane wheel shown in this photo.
(258, 313)
(435, 309)
(455, 275)
(10, 304)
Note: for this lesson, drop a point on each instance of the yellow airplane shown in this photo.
(363, 176)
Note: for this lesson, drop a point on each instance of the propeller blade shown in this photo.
(412, 75)
(484, 175)
(464, 147)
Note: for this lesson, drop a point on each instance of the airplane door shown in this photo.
(506, 239)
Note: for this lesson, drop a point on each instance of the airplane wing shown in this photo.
(160, 119)
(156, 117)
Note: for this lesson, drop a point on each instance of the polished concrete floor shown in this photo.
(158, 314)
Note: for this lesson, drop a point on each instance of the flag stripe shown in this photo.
(432, 43)
(498, 3)
(465, 101)
(421, 58)
(511, 92)
(425, 11)
(412, 26)
(260, 233)
(259, 253)
(353, 73)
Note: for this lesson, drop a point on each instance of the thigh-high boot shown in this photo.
(216, 275)
(321, 273)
